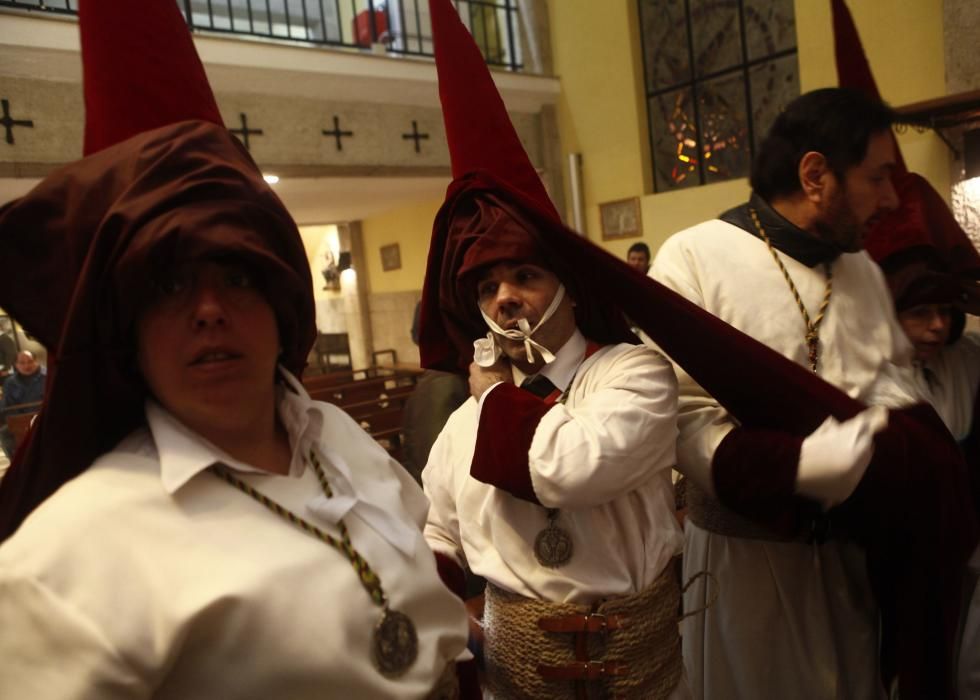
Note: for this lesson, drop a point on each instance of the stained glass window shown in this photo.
(717, 72)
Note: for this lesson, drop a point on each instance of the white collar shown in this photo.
(184, 454)
(562, 370)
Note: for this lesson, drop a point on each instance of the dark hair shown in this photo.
(837, 122)
(639, 248)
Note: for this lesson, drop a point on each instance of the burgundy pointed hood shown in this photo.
(163, 181)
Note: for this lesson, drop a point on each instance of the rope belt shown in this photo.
(626, 647)
(709, 514)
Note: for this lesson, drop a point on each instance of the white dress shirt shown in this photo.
(148, 576)
(603, 457)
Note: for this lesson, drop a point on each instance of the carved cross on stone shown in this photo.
(243, 133)
(9, 123)
(337, 133)
(416, 136)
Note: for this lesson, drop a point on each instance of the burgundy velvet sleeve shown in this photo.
(452, 575)
(508, 419)
(754, 474)
(914, 514)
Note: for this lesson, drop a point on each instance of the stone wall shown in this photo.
(391, 324)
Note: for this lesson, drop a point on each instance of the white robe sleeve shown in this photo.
(442, 523)
(701, 421)
(616, 431)
(51, 651)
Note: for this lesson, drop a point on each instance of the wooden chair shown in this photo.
(19, 418)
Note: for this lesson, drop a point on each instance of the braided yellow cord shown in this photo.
(369, 579)
(812, 336)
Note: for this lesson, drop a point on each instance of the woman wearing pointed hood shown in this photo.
(181, 504)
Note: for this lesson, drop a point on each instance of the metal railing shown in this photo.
(400, 27)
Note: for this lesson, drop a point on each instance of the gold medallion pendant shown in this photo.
(396, 644)
(553, 545)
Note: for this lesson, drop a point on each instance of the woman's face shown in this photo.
(208, 344)
(928, 327)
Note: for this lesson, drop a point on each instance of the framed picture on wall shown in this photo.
(621, 219)
(391, 257)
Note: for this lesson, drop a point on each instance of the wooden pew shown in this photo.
(374, 397)
(360, 390)
(386, 426)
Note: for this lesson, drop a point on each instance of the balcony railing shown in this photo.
(401, 27)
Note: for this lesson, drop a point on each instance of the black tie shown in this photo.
(538, 385)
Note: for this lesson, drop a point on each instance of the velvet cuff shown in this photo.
(754, 474)
(452, 574)
(508, 419)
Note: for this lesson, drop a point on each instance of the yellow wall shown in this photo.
(411, 228)
(597, 56)
(907, 71)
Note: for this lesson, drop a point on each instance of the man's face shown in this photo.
(639, 261)
(510, 291)
(852, 206)
(26, 364)
(208, 346)
(928, 327)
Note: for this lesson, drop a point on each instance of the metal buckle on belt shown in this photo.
(582, 670)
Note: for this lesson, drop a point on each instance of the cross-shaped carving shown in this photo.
(337, 133)
(244, 132)
(415, 135)
(9, 123)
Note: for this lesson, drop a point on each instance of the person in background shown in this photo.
(638, 257)
(24, 386)
(176, 444)
(933, 271)
(435, 396)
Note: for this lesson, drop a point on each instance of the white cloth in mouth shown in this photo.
(486, 351)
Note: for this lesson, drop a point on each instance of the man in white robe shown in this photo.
(795, 615)
(557, 493)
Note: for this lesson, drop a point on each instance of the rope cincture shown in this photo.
(369, 580)
(812, 336)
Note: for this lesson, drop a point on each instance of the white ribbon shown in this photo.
(486, 351)
(345, 499)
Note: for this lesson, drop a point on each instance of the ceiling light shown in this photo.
(271, 179)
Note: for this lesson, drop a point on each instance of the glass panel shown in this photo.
(665, 51)
(770, 27)
(675, 147)
(239, 18)
(724, 129)
(296, 28)
(774, 84)
(277, 18)
(260, 17)
(717, 41)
